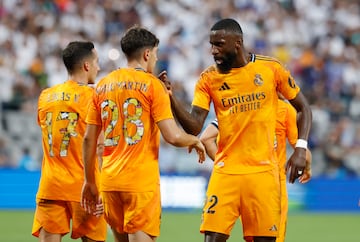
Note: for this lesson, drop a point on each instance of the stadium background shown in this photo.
(318, 40)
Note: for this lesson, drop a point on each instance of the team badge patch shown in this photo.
(258, 80)
(291, 82)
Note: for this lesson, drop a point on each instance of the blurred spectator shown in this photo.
(37, 72)
(27, 162)
(17, 99)
(352, 157)
(5, 158)
(337, 147)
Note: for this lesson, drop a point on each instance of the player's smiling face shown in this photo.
(223, 49)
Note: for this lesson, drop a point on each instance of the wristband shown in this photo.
(301, 143)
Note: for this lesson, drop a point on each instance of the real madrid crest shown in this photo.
(258, 80)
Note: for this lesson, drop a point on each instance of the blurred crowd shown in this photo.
(318, 40)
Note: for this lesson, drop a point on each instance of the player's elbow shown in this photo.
(306, 110)
(86, 140)
(194, 130)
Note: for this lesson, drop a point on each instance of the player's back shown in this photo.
(131, 101)
(61, 115)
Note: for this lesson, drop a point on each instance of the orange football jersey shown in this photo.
(128, 103)
(245, 103)
(62, 111)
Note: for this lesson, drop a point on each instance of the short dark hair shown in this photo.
(228, 24)
(75, 52)
(135, 39)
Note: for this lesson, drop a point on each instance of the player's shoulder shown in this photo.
(88, 89)
(112, 74)
(264, 59)
(210, 69)
(51, 89)
(209, 72)
(74, 87)
(125, 72)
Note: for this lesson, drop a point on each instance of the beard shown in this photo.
(225, 63)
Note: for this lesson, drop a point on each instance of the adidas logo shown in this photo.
(224, 87)
(273, 228)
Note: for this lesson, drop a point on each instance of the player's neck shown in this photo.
(138, 65)
(81, 79)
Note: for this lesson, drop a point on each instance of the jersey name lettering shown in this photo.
(126, 85)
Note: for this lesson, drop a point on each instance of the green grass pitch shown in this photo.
(15, 226)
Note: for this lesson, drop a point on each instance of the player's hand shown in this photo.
(200, 150)
(164, 78)
(296, 164)
(99, 208)
(307, 173)
(306, 177)
(90, 198)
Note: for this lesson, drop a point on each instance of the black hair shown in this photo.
(135, 39)
(228, 24)
(75, 52)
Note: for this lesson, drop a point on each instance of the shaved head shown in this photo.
(229, 25)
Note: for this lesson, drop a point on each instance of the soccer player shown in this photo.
(61, 115)
(244, 95)
(132, 107)
(286, 128)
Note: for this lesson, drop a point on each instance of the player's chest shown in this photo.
(243, 87)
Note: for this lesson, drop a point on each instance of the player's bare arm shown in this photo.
(90, 194)
(100, 149)
(297, 161)
(191, 122)
(208, 138)
(194, 124)
(177, 137)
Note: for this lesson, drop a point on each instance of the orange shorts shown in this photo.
(255, 197)
(284, 210)
(54, 216)
(129, 212)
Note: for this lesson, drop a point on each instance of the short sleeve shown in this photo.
(94, 113)
(286, 84)
(160, 107)
(202, 98)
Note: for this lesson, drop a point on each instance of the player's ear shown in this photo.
(146, 54)
(239, 41)
(86, 66)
